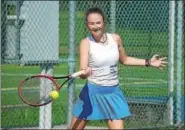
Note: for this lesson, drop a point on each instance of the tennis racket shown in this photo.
(35, 90)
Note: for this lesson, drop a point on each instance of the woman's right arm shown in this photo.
(84, 55)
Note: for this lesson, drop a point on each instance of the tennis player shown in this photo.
(101, 98)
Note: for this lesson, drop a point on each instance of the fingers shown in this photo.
(160, 68)
(163, 62)
(162, 65)
(88, 72)
(156, 56)
(163, 58)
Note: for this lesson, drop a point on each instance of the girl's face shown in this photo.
(95, 24)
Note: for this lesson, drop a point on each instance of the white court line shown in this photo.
(9, 89)
(82, 85)
(26, 74)
(62, 127)
(144, 81)
(121, 78)
(15, 105)
(10, 74)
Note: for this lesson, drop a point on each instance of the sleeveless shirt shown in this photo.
(103, 58)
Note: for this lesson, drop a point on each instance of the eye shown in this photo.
(91, 23)
(98, 22)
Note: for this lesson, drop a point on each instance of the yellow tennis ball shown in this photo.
(54, 94)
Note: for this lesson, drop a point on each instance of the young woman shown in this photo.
(101, 98)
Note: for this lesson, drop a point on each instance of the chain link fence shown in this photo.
(43, 37)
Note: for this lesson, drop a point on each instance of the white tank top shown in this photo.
(103, 60)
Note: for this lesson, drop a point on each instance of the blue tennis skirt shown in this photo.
(101, 102)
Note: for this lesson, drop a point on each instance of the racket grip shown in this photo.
(74, 75)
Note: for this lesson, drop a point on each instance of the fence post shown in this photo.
(179, 60)
(17, 24)
(113, 16)
(46, 111)
(171, 59)
(0, 60)
(71, 62)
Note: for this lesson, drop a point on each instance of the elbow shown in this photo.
(123, 61)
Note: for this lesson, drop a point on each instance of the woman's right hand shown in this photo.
(88, 72)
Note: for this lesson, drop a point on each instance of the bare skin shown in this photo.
(95, 24)
(115, 124)
(77, 124)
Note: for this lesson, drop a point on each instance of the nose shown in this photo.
(95, 26)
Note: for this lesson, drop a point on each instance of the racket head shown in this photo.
(35, 90)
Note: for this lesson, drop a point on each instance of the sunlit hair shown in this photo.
(94, 10)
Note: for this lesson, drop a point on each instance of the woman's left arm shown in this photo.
(155, 61)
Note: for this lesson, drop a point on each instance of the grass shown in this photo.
(134, 81)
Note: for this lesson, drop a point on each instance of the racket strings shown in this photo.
(37, 90)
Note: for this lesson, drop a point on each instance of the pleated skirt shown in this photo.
(97, 102)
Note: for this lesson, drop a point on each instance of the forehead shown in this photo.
(93, 17)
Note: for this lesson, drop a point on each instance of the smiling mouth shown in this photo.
(96, 29)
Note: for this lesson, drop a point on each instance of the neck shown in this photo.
(102, 38)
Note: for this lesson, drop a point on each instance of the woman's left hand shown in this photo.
(158, 62)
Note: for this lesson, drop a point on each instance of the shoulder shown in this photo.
(84, 43)
(117, 38)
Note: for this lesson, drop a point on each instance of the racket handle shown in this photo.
(74, 75)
